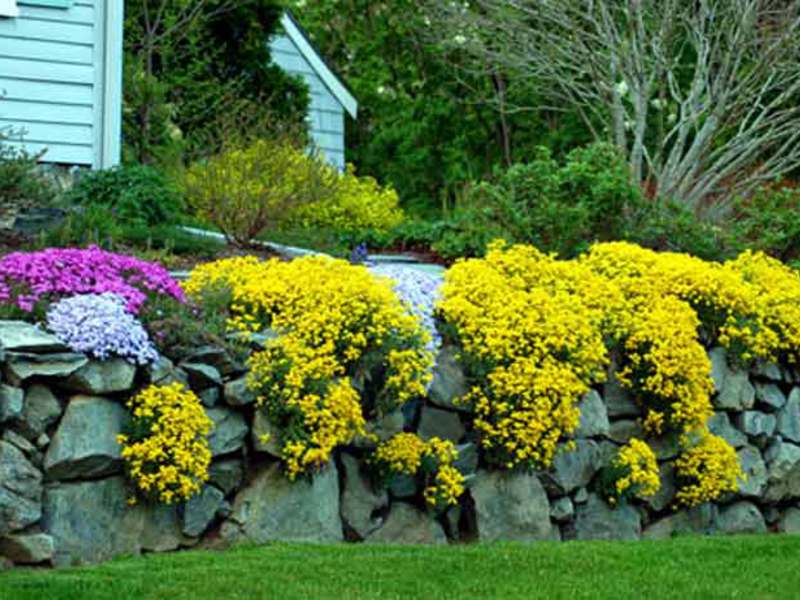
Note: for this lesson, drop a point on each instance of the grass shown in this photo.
(737, 567)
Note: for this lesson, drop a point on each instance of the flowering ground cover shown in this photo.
(737, 567)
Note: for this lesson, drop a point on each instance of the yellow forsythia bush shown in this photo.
(343, 348)
(166, 450)
(408, 454)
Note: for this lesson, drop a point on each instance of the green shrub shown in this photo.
(134, 194)
(22, 184)
(770, 221)
(558, 208)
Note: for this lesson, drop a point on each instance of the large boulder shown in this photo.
(783, 471)
(265, 436)
(449, 382)
(596, 520)
(27, 548)
(20, 490)
(408, 525)
(698, 520)
(161, 529)
(237, 393)
(103, 377)
(511, 506)
(619, 402)
(737, 392)
(575, 468)
(226, 474)
(362, 504)
(19, 336)
(91, 521)
(719, 367)
(202, 376)
(11, 403)
(85, 444)
(742, 517)
(41, 409)
(444, 424)
(755, 471)
(200, 510)
(229, 432)
(770, 395)
(720, 424)
(594, 416)
(789, 417)
(790, 521)
(21, 366)
(272, 508)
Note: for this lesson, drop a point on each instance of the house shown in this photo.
(330, 98)
(61, 78)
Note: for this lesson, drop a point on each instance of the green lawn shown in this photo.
(738, 567)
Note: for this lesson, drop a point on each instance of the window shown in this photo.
(8, 8)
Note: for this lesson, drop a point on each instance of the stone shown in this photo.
(22, 366)
(20, 490)
(596, 520)
(161, 531)
(91, 521)
(719, 367)
(737, 392)
(237, 393)
(770, 395)
(272, 508)
(757, 424)
(467, 461)
(720, 424)
(85, 444)
(27, 548)
(229, 431)
(43, 441)
(214, 356)
(562, 510)
(666, 492)
(200, 510)
(383, 428)
(755, 470)
(408, 525)
(622, 431)
(449, 382)
(443, 424)
(594, 417)
(19, 336)
(574, 469)
(783, 471)
(12, 437)
(698, 520)
(790, 521)
(581, 496)
(265, 437)
(161, 371)
(226, 474)
(510, 506)
(11, 403)
(619, 402)
(209, 396)
(667, 446)
(363, 505)
(742, 517)
(789, 417)
(99, 377)
(202, 376)
(403, 486)
(41, 410)
(767, 370)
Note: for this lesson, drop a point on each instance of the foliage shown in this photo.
(244, 191)
(22, 184)
(768, 221)
(558, 208)
(407, 454)
(340, 347)
(166, 451)
(636, 471)
(135, 195)
(707, 470)
(30, 278)
(99, 325)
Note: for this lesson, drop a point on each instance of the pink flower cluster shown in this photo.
(30, 277)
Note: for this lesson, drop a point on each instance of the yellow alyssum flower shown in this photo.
(638, 463)
(167, 454)
(708, 469)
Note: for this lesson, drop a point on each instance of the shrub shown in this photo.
(340, 348)
(769, 221)
(99, 325)
(407, 454)
(634, 472)
(706, 471)
(28, 279)
(134, 194)
(244, 191)
(166, 450)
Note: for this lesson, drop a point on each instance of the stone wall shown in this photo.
(64, 496)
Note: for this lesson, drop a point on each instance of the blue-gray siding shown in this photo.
(326, 114)
(55, 80)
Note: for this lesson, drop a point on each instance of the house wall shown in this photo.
(326, 114)
(60, 79)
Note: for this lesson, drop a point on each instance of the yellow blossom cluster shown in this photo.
(334, 328)
(408, 454)
(166, 451)
(706, 470)
(637, 463)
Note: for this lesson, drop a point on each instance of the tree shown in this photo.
(700, 95)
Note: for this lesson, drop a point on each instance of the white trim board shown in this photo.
(328, 77)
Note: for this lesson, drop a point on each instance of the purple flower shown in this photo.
(29, 277)
(100, 325)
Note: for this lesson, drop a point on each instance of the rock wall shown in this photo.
(64, 497)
